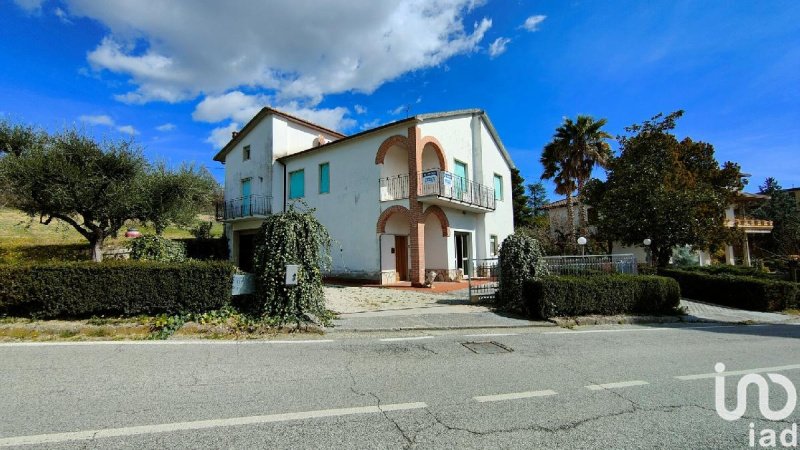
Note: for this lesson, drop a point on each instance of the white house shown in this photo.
(429, 192)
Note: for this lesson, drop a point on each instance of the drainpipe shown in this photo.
(284, 185)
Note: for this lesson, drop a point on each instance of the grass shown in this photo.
(23, 238)
(792, 312)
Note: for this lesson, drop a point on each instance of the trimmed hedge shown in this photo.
(756, 294)
(116, 288)
(601, 294)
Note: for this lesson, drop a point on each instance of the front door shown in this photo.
(462, 252)
(401, 257)
(246, 251)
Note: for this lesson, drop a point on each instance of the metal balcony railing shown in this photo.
(450, 186)
(394, 188)
(248, 206)
(748, 222)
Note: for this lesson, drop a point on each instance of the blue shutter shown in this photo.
(324, 178)
(297, 181)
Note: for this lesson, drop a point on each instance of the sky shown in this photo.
(177, 77)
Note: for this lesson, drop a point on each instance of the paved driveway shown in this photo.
(707, 312)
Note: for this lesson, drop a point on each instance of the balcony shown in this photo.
(442, 188)
(750, 225)
(243, 207)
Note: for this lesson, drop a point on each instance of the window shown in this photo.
(493, 245)
(498, 187)
(246, 152)
(297, 184)
(324, 178)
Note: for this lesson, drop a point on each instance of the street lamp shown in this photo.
(582, 242)
(647, 243)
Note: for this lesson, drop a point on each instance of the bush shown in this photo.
(602, 294)
(116, 288)
(746, 292)
(520, 260)
(157, 248)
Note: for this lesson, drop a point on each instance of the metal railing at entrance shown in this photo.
(484, 279)
(591, 264)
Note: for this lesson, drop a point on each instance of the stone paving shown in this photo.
(707, 312)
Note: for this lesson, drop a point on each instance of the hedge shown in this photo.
(601, 294)
(115, 288)
(757, 294)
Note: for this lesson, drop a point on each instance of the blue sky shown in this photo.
(179, 76)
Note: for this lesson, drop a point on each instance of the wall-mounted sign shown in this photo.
(430, 177)
(447, 179)
(291, 274)
(243, 284)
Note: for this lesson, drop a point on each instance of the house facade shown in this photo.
(737, 215)
(427, 193)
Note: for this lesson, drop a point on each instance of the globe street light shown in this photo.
(647, 243)
(582, 242)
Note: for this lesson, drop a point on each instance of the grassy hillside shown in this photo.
(24, 238)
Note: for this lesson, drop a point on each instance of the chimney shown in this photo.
(234, 134)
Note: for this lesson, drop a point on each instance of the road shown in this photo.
(612, 387)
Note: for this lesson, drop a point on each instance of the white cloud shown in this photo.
(359, 109)
(498, 47)
(400, 109)
(222, 135)
(371, 124)
(30, 6)
(532, 22)
(177, 50)
(62, 15)
(97, 120)
(127, 129)
(166, 127)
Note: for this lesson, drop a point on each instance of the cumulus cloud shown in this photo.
(498, 47)
(359, 109)
(222, 135)
(177, 50)
(97, 120)
(532, 22)
(107, 121)
(30, 6)
(166, 127)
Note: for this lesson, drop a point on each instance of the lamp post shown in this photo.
(647, 243)
(582, 242)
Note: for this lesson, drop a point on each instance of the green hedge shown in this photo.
(601, 294)
(757, 294)
(85, 289)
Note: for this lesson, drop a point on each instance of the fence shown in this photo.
(591, 264)
(484, 279)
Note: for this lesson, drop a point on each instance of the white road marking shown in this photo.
(197, 342)
(701, 376)
(513, 396)
(621, 384)
(491, 334)
(415, 338)
(200, 424)
(629, 330)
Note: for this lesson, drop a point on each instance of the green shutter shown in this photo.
(324, 178)
(498, 187)
(297, 181)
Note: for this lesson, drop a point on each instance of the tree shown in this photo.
(176, 197)
(523, 214)
(782, 210)
(570, 157)
(68, 176)
(673, 192)
(537, 199)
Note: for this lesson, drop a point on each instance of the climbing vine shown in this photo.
(293, 237)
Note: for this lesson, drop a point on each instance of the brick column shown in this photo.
(417, 223)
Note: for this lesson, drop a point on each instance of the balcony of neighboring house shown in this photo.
(249, 206)
(750, 225)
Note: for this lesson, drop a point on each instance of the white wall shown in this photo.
(501, 221)
(258, 167)
(436, 245)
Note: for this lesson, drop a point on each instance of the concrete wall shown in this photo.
(258, 168)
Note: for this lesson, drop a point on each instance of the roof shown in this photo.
(747, 195)
(561, 203)
(419, 118)
(265, 111)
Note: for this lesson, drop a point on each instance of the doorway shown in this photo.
(462, 252)
(401, 257)
(246, 251)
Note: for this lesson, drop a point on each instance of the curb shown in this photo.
(440, 328)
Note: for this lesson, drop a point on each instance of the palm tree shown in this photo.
(570, 158)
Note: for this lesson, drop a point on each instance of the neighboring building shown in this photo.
(736, 215)
(429, 192)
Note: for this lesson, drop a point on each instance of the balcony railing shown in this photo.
(248, 206)
(394, 188)
(748, 222)
(450, 186)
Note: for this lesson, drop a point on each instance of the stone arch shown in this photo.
(397, 139)
(389, 212)
(437, 147)
(439, 213)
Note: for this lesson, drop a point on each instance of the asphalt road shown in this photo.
(631, 387)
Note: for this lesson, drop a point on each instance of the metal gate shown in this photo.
(484, 279)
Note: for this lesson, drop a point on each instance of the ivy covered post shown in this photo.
(520, 259)
(294, 237)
